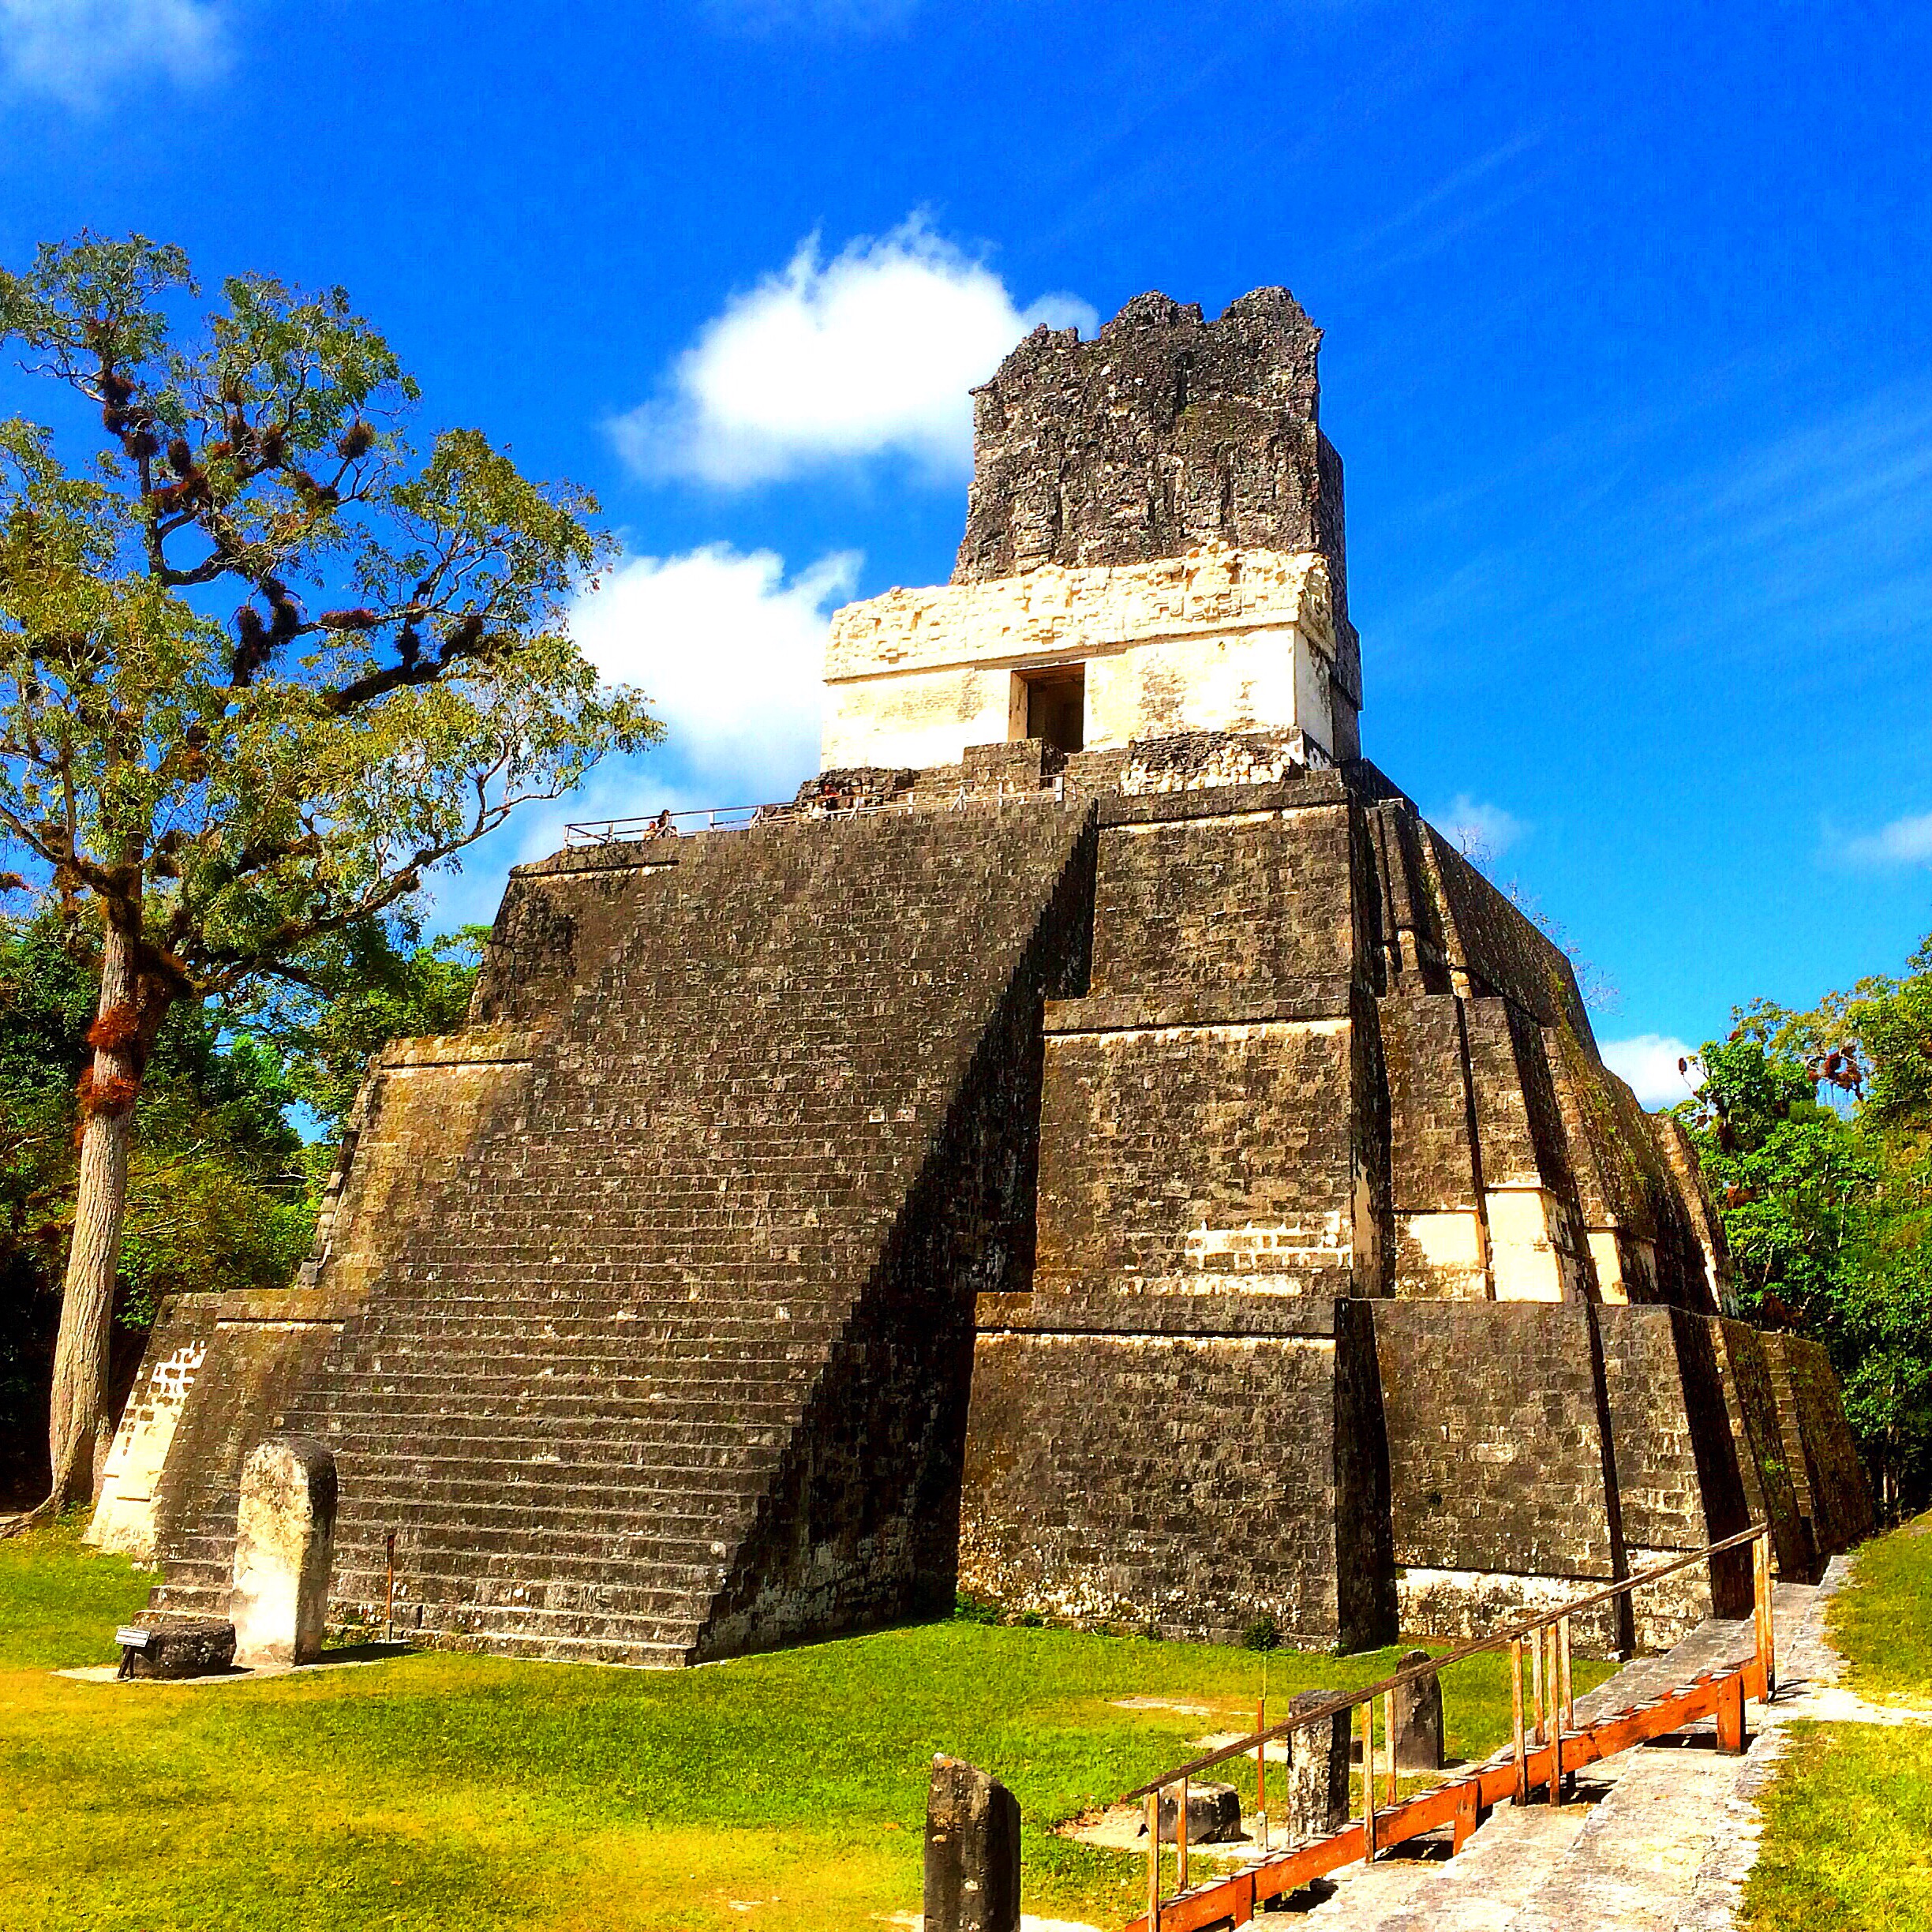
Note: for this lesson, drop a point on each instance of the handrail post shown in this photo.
(1767, 1632)
(1369, 1804)
(1261, 1771)
(1153, 1831)
(1553, 1636)
(1536, 1681)
(1180, 1824)
(1569, 1689)
(1516, 1719)
(1388, 1738)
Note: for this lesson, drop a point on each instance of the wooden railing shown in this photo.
(1545, 1746)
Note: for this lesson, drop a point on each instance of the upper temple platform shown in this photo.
(1220, 639)
(1154, 545)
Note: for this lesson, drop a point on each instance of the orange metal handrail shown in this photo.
(1495, 1641)
(1542, 1750)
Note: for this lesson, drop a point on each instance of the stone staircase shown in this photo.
(663, 1371)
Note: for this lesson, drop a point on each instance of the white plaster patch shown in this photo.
(1523, 1253)
(1451, 1243)
(1221, 640)
(1257, 1247)
(123, 1520)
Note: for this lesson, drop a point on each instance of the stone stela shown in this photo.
(285, 1525)
(1135, 1169)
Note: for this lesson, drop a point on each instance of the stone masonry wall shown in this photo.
(426, 1107)
(1165, 431)
(178, 1346)
(263, 1347)
(1751, 1403)
(1679, 1485)
(1179, 1425)
(560, 922)
(1502, 1490)
(1191, 1483)
(1441, 1229)
(1832, 1491)
(648, 1382)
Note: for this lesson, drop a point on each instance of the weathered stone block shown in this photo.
(285, 1532)
(972, 1852)
(1418, 1718)
(1316, 1800)
(1213, 1813)
(172, 1647)
(1164, 431)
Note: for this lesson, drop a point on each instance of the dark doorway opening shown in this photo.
(1056, 708)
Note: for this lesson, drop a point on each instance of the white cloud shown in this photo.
(870, 353)
(78, 50)
(732, 655)
(1484, 832)
(1904, 842)
(1649, 1062)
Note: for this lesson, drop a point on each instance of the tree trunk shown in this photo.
(79, 1429)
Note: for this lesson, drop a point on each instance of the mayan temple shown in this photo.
(1097, 1147)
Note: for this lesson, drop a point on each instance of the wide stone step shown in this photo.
(709, 1376)
(450, 1599)
(666, 1592)
(613, 1328)
(637, 1417)
(567, 1462)
(609, 1334)
(642, 1651)
(479, 1523)
(451, 1479)
(452, 1602)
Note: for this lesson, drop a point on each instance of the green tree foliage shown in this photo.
(263, 663)
(217, 1193)
(1827, 1202)
(359, 991)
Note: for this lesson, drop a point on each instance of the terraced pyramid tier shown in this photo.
(672, 1362)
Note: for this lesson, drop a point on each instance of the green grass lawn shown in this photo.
(783, 1793)
(1882, 1620)
(1848, 1840)
(1847, 1843)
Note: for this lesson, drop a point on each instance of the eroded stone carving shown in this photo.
(1418, 1718)
(972, 1852)
(1317, 1797)
(1165, 431)
(284, 1530)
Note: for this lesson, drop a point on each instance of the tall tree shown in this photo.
(262, 667)
(220, 1192)
(1827, 1202)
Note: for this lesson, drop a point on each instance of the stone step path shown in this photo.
(1661, 1837)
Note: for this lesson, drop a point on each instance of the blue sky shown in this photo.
(1629, 356)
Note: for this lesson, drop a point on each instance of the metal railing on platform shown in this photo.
(1546, 1746)
(594, 831)
(670, 824)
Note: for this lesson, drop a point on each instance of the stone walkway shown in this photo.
(1662, 1837)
